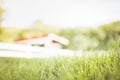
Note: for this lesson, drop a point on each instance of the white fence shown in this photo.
(27, 51)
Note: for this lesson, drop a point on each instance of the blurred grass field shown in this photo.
(106, 67)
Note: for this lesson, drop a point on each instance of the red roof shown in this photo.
(32, 37)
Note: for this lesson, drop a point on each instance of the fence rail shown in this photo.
(27, 51)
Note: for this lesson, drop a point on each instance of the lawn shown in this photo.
(106, 67)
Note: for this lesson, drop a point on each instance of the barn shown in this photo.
(45, 40)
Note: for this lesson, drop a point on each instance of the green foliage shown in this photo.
(111, 30)
(104, 37)
(44, 28)
(8, 34)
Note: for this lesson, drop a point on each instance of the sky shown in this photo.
(61, 13)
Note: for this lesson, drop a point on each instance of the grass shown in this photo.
(95, 67)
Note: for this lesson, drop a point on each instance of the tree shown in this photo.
(1, 11)
(44, 28)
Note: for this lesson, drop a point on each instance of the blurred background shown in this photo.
(93, 24)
